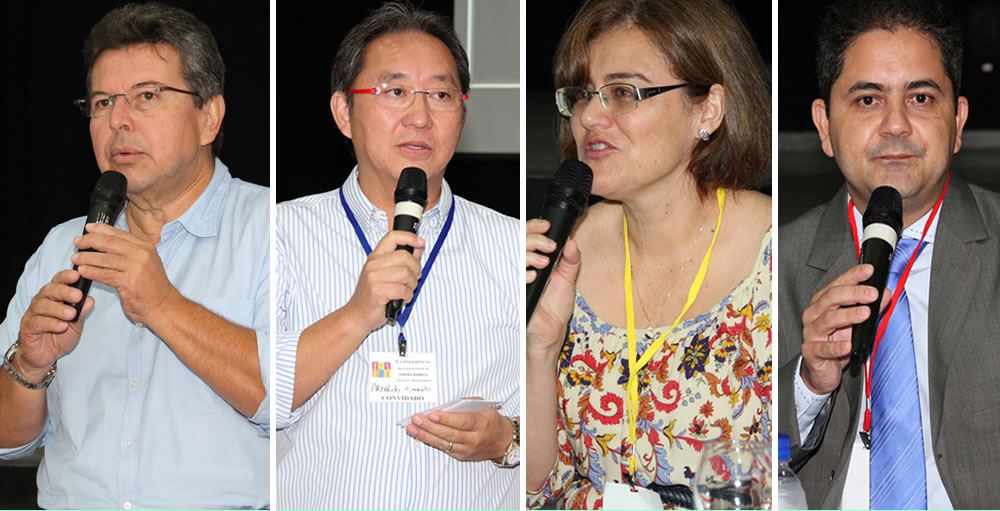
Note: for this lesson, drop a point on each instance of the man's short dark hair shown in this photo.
(845, 21)
(392, 18)
(156, 23)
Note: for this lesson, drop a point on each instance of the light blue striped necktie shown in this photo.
(898, 478)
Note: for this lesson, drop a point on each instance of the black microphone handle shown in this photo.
(400, 223)
(103, 215)
(878, 253)
(561, 221)
(83, 285)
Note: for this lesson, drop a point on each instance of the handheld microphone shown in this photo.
(883, 221)
(106, 203)
(411, 198)
(565, 199)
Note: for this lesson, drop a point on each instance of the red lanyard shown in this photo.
(884, 322)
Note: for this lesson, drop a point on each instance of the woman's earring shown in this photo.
(703, 134)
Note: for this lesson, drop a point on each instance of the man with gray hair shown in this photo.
(351, 415)
(159, 398)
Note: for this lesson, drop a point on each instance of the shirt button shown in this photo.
(128, 445)
(133, 383)
(127, 504)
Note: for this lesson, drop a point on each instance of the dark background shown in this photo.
(797, 56)
(546, 22)
(806, 177)
(49, 162)
(313, 156)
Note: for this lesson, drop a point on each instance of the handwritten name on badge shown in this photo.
(412, 378)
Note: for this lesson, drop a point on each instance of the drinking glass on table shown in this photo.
(762, 475)
(731, 475)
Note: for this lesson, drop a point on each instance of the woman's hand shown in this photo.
(547, 327)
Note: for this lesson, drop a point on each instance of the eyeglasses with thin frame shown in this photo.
(616, 98)
(142, 98)
(398, 96)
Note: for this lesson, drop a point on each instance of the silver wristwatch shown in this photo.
(8, 365)
(512, 457)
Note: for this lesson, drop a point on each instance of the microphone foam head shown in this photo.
(885, 207)
(571, 184)
(111, 186)
(412, 186)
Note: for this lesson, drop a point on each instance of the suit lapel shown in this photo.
(955, 269)
(833, 253)
(832, 250)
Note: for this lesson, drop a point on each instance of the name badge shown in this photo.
(395, 379)
(623, 496)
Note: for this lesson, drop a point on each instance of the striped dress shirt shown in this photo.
(339, 451)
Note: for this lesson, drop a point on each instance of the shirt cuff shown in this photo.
(262, 417)
(807, 403)
(287, 344)
(14, 453)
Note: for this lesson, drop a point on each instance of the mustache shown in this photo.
(895, 146)
(119, 140)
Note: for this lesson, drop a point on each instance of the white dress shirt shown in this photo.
(808, 404)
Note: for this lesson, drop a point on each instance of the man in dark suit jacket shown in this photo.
(891, 115)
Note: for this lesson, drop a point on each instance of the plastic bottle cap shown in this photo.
(784, 447)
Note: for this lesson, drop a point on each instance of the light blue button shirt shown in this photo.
(343, 452)
(129, 426)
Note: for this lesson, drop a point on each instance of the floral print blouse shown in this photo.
(711, 380)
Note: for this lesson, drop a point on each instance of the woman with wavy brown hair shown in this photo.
(653, 335)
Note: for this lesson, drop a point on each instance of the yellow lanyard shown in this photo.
(636, 365)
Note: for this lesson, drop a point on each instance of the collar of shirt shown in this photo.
(914, 230)
(203, 218)
(375, 222)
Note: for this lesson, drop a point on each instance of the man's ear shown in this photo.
(961, 115)
(821, 119)
(341, 111)
(213, 110)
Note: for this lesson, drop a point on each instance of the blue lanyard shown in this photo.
(404, 315)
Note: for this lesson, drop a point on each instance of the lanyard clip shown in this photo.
(402, 344)
(631, 482)
(866, 436)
